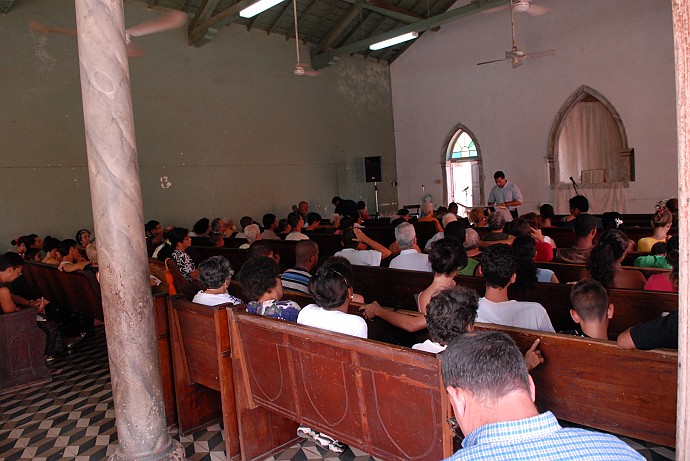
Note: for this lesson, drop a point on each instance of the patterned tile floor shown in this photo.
(72, 418)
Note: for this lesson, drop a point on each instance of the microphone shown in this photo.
(573, 181)
(465, 189)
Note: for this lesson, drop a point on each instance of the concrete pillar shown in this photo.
(681, 38)
(119, 230)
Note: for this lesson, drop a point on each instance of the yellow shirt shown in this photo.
(645, 244)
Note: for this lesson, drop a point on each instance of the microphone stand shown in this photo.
(574, 186)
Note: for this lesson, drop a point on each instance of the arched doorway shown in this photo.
(462, 169)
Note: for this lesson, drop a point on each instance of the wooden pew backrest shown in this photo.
(370, 395)
(600, 385)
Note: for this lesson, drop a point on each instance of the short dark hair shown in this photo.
(50, 243)
(499, 174)
(335, 200)
(10, 259)
(659, 248)
(329, 285)
(268, 220)
(258, 275)
(447, 255)
(487, 364)
(498, 265)
(524, 248)
(66, 245)
(579, 202)
(403, 212)
(450, 313)
(361, 205)
(304, 250)
(214, 271)
(590, 300)
(202, 226)
(245, 221)
(455, 229)
(519, 226)
(259, 248)
(151, 225)
(453, 208)
(349, 238)
(583, 224)
(313, 217)
(546, 211)
(216, 225)
(177, 235)
(293, 218)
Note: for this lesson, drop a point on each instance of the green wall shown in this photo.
(226, 126)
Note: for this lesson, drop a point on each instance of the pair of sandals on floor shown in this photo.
(322, 439)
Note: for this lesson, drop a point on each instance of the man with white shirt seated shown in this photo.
(410, 258)
(498, 267)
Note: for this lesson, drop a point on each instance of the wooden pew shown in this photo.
(369, 395)
(396, 288)
(70, 289)
(204, 381)
(573, 272)
(598, 384)
(22, 346)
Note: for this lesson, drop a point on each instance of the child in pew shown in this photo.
(332, 290)
(215, 273)
(591, 310)
(451, 313)
(260, 280)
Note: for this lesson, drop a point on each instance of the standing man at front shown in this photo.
(493, 400)
(505, 194)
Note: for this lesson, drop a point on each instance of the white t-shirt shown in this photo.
(429, 346)
(521, 314)
(210, 299)
(361, 257)
(411, 260)
(332, 320)
(296, 236)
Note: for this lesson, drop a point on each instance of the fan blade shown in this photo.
(537, 10)
(539, 54)
(495, 60)
(496, 9)
(311, 73)
(43, 29)
(172, 19)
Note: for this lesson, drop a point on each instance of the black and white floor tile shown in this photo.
(72, 418)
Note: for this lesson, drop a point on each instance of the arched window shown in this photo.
(462, 168)
(588, 144)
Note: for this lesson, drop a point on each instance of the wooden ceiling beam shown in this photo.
(324, 59)
(355, 30)
(345, 21)
(288, 5)
(200, 31)
(5, 6)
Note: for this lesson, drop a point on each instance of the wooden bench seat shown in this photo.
(396, 288)
(372, 396)
(573, 272)
(598, 384)
(22, 347)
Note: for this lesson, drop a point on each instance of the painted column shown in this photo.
(681, 37)
(119, 229)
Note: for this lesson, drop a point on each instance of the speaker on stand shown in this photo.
(372, 168)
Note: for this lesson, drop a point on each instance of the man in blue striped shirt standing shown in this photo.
(493, 399)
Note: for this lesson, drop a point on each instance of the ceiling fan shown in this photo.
(515, 55)
(300, 67)
(170, 19)
(521, 6)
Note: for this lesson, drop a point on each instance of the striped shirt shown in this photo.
(541, 438)
(296, 280)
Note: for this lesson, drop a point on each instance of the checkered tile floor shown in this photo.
(72, 418)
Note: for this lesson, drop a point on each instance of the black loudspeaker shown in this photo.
(372, 168)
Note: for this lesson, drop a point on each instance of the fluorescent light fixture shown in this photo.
(258, 7)
(394, 41)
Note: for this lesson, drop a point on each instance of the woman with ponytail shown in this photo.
(661, 223)
(604, 263)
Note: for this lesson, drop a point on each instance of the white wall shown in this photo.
(621, 48)
(228, 124)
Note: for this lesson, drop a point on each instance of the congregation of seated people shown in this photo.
(504, 254)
